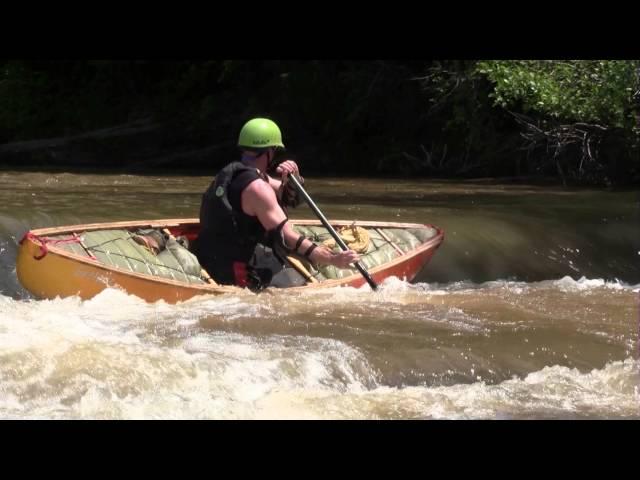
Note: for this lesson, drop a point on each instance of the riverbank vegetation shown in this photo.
(575, 122)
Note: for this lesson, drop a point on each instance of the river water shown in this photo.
(529, 310)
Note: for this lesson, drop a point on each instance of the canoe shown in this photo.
(85, 259)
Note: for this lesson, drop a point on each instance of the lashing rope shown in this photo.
(44, 241)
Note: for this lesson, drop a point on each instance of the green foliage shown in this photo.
(594, 91)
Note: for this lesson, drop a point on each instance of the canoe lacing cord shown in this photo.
(44, 241)
(128, 258)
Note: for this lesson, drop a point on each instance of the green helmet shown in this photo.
(260, 133)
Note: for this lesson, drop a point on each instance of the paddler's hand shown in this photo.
(343, 258)
(287, 192)
(286, 168)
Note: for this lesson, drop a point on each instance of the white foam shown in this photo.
(117, 356)
(90, 360)
(553, 392)
(568, 284)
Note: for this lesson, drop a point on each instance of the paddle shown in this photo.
(333, 233)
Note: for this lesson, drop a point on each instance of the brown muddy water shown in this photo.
(529, 310)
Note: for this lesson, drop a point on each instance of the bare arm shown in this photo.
(275, 183)
(259, 200)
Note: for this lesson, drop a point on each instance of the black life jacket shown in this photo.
(219, 218)
(228, 236)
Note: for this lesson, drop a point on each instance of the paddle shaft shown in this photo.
(333, 233)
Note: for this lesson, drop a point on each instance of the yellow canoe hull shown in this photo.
(49, 271)
(62, 274)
